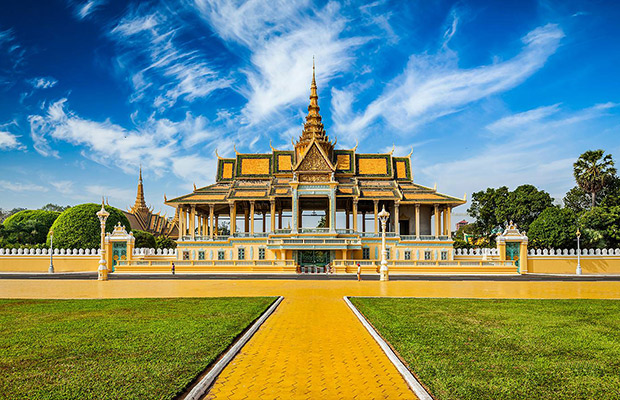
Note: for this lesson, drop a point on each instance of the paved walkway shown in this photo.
(312, 346)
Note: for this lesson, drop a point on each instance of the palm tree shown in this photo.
(592, 172)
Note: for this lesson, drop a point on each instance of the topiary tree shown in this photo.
(165, 242)
(78, 227)
(28, 226)
(144, 239)
(554, 228)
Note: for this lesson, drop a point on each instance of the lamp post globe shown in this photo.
(102, 271)
(578, 271)
(383, 270)
(51, 268)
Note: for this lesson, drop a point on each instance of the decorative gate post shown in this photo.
(512, 245)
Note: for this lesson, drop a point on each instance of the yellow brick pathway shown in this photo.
(313, 341)
(311, 348)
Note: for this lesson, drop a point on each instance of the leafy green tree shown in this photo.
(601, 227)
(554, 228)
(164, 242)
(579, 201)
(484, 206)
(592, 172)
(144, 239)
(78, 227)
(4, 214)
(322, 223)
(222, 229)
(54, 207)
(494, 208)
(28, 226)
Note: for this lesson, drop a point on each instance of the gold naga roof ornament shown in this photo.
(194, 186)
(357, 142)
(272, 148)
(410, 153)
(217, 155)
(393, 148)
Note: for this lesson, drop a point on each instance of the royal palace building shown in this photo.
(262, 211)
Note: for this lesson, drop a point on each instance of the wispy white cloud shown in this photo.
(433, 86)
(8, 141)
(161, 145)
(114, 193)
(64, 187)
(162, 67)
(12, 56)
(546, 118)
(43, 82)
(20, 187)
(282, 39)
(525, 152)
(84, 9)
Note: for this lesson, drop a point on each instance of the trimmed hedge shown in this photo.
(144, 239)
(78, 227)
(29, 226)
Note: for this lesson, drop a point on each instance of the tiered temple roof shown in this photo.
(315, 160)
(142, 217)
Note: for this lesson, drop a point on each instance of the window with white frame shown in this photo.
(444, 255)
(221, 255)
(407, 255)
(241, 253)
(427, 255)
(387, 253)
(186, 255)
(261, 253)
(201, 255)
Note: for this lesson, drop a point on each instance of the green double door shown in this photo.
(512, 252)
(318, 258)
(119, 253)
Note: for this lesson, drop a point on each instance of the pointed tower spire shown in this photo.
(140, 202)
(313, 127)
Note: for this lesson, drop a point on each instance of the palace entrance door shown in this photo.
(313, 261)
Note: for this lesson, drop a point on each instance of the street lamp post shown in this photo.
(578, 271)
(51, 268)
(383, 217)
(103, 269)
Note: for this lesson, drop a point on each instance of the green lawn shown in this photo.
(115, 349)
(505, 349)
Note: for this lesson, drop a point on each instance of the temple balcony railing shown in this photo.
(315, 232)
(413, 238)
(305, 231)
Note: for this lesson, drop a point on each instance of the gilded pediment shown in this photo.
(314, 160)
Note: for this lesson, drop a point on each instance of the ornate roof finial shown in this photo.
(313, 126)
(140, 202)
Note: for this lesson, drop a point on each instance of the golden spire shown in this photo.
(140, 202)
(313, 127)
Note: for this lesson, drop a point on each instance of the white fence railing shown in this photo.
(476, 252)
(154, 252)
(540, 252)
(46, 252)
(573, 252)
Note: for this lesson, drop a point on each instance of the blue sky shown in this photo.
(487, 93)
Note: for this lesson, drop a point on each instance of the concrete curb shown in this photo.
(411, 380)
(203, 386)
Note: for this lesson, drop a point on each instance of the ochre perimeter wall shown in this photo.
(536, 264)
(72, 263)
(567, 265)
